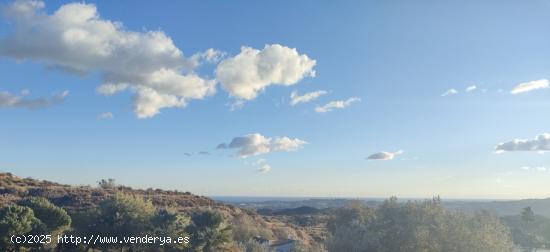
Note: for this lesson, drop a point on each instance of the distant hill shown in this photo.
(503, 208)
(303, 210)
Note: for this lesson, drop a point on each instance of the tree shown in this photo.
(527, 215)
(118, 216)
(209, 232)
(415, 226)
(107, 183)
(170, 224)
(54, 218)
(528, 230)
(15, 220)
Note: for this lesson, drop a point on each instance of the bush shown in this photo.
(54, 218)
(209, 232)
(415, 226)
(119, 215)
(15, 220)
(253, 246)
(245, 228)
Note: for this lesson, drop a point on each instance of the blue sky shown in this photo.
(397, 57)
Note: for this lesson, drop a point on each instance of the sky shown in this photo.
(280, 98)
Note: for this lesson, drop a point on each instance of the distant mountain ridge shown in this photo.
(501, 208)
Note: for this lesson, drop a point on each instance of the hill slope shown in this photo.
(76, 198)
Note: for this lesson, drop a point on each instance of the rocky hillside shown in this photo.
(76, 198)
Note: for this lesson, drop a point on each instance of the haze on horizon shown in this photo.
(347, 99)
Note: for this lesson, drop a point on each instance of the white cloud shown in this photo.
(210, 55)
(106, 116)
(256, 144)
(384, 155)
(541, 143)
(76, 39)
(252, 70)
(9, 100)
(235, 105)
(336, 105)
(449, 92)
(530, 86)
(535, 168)
(471, 88)
(262, 166)
(295, 98)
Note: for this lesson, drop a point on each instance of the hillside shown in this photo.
(76, 198)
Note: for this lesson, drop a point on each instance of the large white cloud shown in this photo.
(540, 143)
(252, 70)
(530, 86)
(384, 155)
(76, 39)
(336, 105)
(9, 100)
(256, 144)
(295, 98)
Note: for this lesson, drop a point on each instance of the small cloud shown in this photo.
(450, 92)
(187, 154)
(295, 98)
(9, 100)
(236, 105)
(256, 144)
(530, 86)
(535, 168)
(471, 88)
(265, 168)
(384, 155)
(211, 56)
(541, 143)
(204, 153)
(262, 166)
(106, 116)
(336, 105)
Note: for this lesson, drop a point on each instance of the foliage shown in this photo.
(253, 246)
(244, 228)
(415, 226)
(529, 231)
(118, 216)
(107, 183)
(170, 224)
(527, 215)
(54, 218)
(209, 232)
(32, 216)
(15, 220)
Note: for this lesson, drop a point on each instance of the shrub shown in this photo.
(15, 220)
(415, 226)
(209, 232)
(54, 218)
